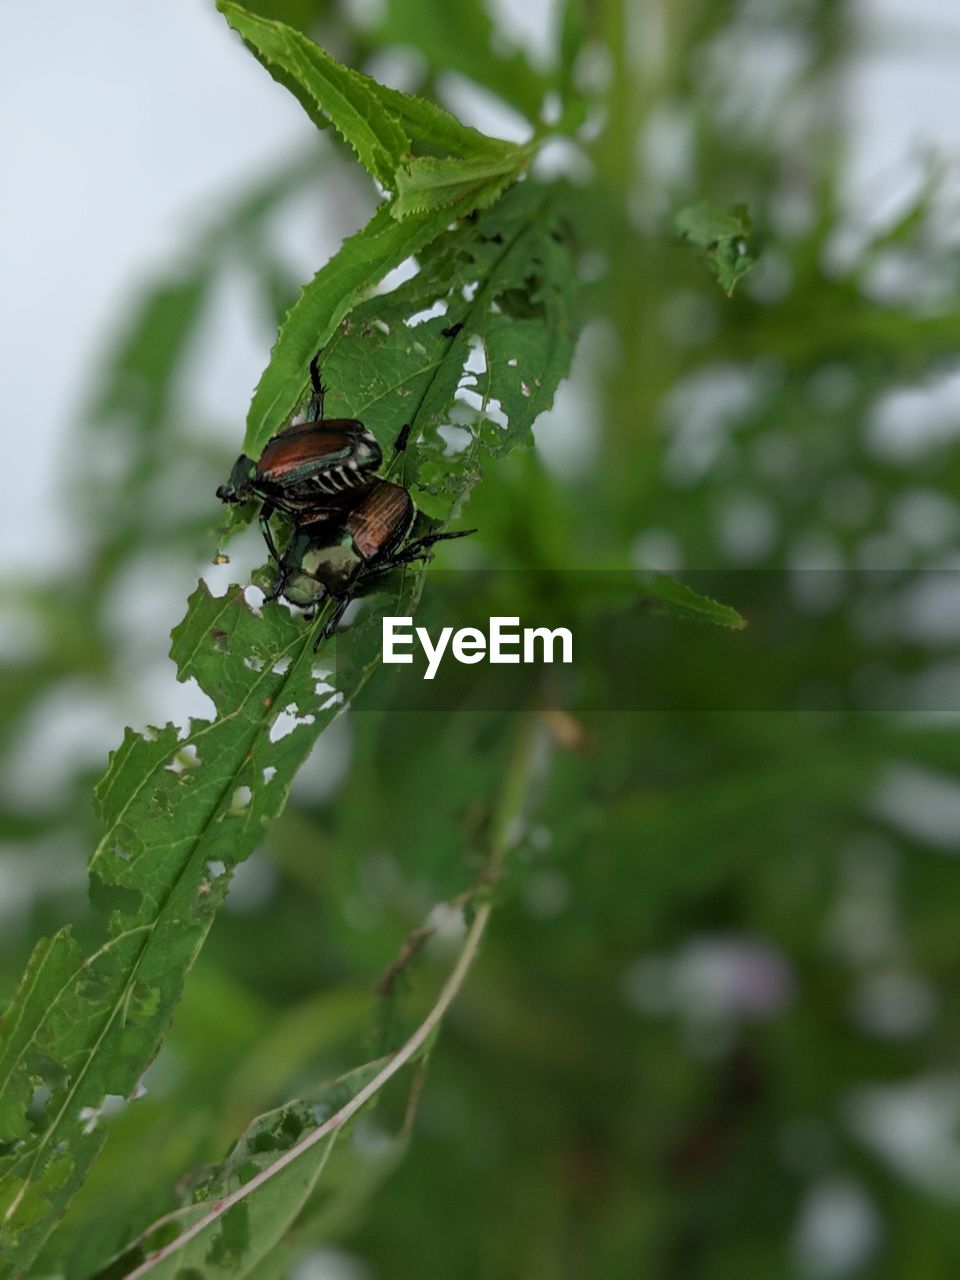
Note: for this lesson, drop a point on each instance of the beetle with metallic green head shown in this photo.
(338, 548)
(305, 464)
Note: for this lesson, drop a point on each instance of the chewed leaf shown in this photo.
(485, 331)
(333, 292)
(485, 328)
(681, 601)
(328, 90)
(723, 238)
(220, 1238)
(86, 1021)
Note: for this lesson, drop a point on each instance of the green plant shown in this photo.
(721, 948)
(181, 811)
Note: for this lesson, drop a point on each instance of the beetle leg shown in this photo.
(315, 410)
(332, 622)
(417, 550)
(266, 511)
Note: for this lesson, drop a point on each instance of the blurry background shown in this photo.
(715, 1028)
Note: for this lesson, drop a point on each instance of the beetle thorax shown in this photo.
(243, 469)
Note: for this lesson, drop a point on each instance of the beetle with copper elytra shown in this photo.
(338, 548)
(305, 464)
(350, 525)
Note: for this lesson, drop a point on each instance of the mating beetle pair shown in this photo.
(349, 524)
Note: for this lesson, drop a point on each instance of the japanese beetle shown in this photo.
(305, 463)
(334, 550)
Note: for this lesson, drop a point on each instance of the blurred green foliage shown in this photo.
(714, 1028)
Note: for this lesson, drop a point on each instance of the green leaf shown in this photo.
(431, 126)
(51, 964)
(502, 283)
(235, 1242)
(381, 124)
(237, 1215)
(363, 260)
(327, 90)
(182, 811)
(723, 239)
(681, 601)
(431, 191)
(429, 183)
(180, 814)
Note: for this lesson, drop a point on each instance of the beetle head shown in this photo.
(238, 488)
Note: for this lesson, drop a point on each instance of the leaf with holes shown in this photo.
(384, 243)
(228, 1240)
(180, 812)
(432, 192)
(479, 339)
(495, 300)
